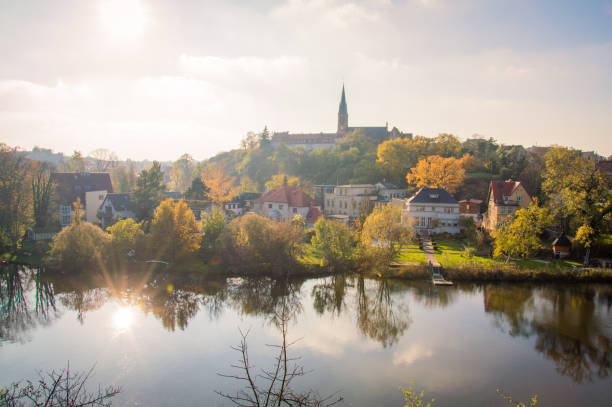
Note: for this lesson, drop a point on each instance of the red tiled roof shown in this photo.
(72, 185)
(503, 188)
(292, 196)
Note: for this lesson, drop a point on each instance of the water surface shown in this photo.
(164, 340)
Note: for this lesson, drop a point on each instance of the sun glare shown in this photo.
(122, 20)
(123, 318)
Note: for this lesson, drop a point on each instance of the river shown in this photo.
(165, 339)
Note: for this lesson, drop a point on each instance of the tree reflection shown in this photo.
(16, 317)
(329, 296)
(569, 324)
(377, 316)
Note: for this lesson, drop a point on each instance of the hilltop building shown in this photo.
(312, 141)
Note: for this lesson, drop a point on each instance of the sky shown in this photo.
(156, 79)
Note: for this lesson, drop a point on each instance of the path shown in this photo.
(429, 251)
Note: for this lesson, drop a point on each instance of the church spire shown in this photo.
(342, 114)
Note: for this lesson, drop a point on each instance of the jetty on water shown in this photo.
(435, 268)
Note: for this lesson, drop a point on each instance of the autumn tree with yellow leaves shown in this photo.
(438, 172)
(174, 231)
(220, 183)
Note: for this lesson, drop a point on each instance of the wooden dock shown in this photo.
(435, 268)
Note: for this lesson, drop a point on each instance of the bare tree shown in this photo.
(104, 159)
(274, 387)
(57, 389)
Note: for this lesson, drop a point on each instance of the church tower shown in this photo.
(342, 114)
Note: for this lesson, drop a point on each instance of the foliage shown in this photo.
(80, 245)
(182, 172)
(149, 191)
(282, 180)
(220, 183)
(254, 240)
(264, 137)
(298, 222)
(104, 159)
(197, 190)
(212, 226)
(76, 162)
(413, 398)
(15, 197)
(123, 178)
(57, 389)
(533, 402)
(42, 190)
(384, 231)
(437, 172)
(334, 243)
(520, 237)
(174, 232)
(126, 235)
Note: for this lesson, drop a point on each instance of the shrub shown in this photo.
(126, 235)
(334, 243)
(80, 245)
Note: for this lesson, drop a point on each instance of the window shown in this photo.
(294, 210)
(503, 211)
(519, 198)
(280, 206)
(269, 206)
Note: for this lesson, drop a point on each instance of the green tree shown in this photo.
(578, 192)
(15, 197)
(149, 191)
(126, 235)
(123, 178)
(282, 180)
(174, 231)
(334, 243)
(182, 173)
(298, 222)
(264, 137)
(197, 191)
(520, 237)
(212, 226)
(79, 246)
(42, 190)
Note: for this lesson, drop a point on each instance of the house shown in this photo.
(562, 247)
(93, 201)
(282, 204)
(471, 208)
(70, 186)
(433, 210)
(234, 206)
(115, 207)
(505, 198)
(351, 200)
(387, 191)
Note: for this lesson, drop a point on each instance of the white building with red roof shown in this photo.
(282, 204)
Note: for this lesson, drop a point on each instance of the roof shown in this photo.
(474, 201)
(290, 195)
(605, 166)
(72, 185)
(121, 202)
(389, 185)
(502, 188)
(173, 194)
(374, 132)
(562, 240)
(432, 195)
(313, 214)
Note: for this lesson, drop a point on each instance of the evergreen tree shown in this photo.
(197, 191)
(264, 137)
(149, 191)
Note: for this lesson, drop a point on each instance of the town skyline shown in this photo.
(125, 75)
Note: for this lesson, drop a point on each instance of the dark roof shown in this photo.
(173, 194)
(72, 185)
(389, 185)
(605, 166)
(121, 202)
(379, 133)
(503, 188)
(292, 195)
(562, 240)
(432, 195)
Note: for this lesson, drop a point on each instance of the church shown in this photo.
(312, 141)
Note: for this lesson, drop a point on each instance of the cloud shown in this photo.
(411, 354)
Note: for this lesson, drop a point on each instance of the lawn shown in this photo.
(411, 254)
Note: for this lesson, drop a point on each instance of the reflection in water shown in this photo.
(571, 325)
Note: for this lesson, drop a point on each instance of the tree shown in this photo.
(264, 137)
(520, 237)
(15, 197)
(181, 173)
(174, 231)
(334, 243)
(79, 246)
(577, 191)
(298, 222)
(282, 180)
(437, 172)
(42, 190)
(126, 235)
(220, 184)
(197, 191)
(384, 231)
(104, 159)
(212, 226)
(149, 191)
(123, 178)
(76, 162)
(249, 142)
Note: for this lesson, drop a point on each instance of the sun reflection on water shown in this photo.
(123, 318)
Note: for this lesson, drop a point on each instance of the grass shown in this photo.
(37, 251)
(411, 254)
